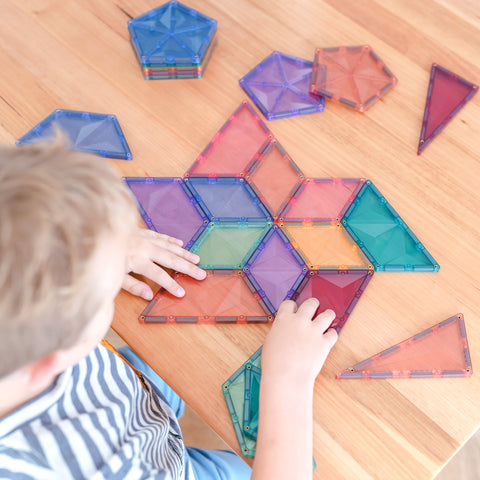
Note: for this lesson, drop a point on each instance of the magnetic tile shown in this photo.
(439, 351)
(447, 94)
(234, 146)
(335, 289)
(275, 269)
(383, 236)
(227, 199)
(321, 200)
(224, 296)
(95, 133)
(275, 177)
(353, 76)
(167, 206)
(279, 86)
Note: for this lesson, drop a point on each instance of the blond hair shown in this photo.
(55, 205)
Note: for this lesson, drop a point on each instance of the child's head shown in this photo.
(64, 221)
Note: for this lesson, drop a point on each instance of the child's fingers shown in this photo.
(166, 245)
(171, 254)
(177, 241)
(287, 307)
(160, 276)
(137, 287)
(159, 243)
(161, 238)
(323, 320)
(331, 337)
(308, 307)
(177, 263)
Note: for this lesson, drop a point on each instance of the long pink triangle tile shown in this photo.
(439, 351)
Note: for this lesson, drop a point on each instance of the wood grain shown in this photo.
(75, 54)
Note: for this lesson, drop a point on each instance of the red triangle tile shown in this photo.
(447, 94)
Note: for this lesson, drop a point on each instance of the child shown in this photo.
(70, 408)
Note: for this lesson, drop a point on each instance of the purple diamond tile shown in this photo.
(275, 269)
(168, 207)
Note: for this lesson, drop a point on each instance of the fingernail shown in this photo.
(180, 292)
(147, 294)
(202, 274)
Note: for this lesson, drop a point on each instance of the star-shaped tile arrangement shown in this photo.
(266, 233)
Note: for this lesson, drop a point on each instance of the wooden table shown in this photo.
(75, 54)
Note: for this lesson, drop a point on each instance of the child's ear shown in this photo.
(42, 370)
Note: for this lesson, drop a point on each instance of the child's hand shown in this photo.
(292, 356)
(296, 346)
(147, 248)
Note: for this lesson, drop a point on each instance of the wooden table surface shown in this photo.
(76, 54)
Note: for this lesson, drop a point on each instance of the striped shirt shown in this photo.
(96, 421)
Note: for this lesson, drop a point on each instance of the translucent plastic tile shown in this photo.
(279, 86)
(228, 245)
(383, 236)
(321, 200)
(172, 76)
(227, 199)
(447, 94)
(179, 67)
(170, 71)
(234, 146)
(275, 177)
(234, 392)
(252, 394)
(224, 296)
(171, 34)
(275, 269)
(439, 351)
(167, 206)
(336, 289)
(95, 133)
(353, 76)
(325, 246)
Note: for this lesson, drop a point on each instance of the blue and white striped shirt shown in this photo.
(96, 421)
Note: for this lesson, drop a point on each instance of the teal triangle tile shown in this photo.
(383, 236)
(234, 392)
